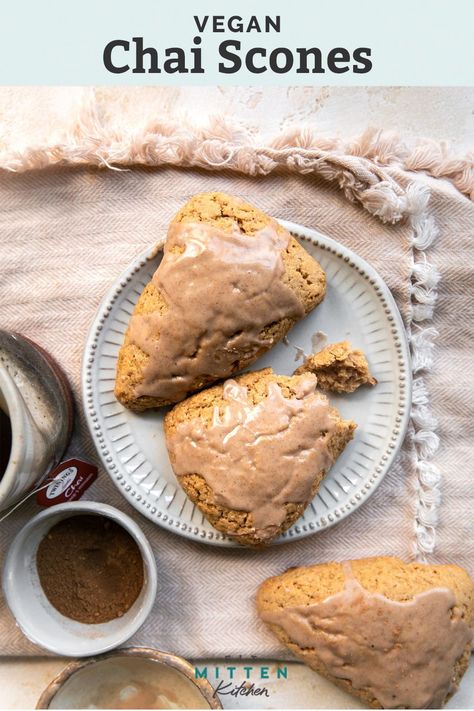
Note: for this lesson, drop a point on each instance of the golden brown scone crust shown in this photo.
(390, 577)
(302, 273)
(233, 523)
(339, 368)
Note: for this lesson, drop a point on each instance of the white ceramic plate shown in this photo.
(358, 307)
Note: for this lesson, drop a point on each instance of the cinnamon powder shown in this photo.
(90, 568)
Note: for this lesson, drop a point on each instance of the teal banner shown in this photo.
(196, 42)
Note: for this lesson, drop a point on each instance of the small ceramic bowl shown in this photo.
(35, 615)
(129, 678)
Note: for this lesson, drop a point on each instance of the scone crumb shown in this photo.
(339, 368)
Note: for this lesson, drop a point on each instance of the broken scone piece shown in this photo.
(396, 635)
(339, 368)
(251, 452)
(231, 284)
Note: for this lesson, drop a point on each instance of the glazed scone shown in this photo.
(396, 635)
(231, 284)
(251, 452)
(339, 368)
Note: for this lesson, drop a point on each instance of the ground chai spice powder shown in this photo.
(90, 568)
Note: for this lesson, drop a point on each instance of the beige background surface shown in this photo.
(443, 114)
(440, 114)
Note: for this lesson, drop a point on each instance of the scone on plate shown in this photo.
(339, 368)
(251, 452)
(396, 635)
(232, 282)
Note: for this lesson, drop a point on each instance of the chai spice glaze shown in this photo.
(90, 568)
(259, 457)
(202, 332)
(403, 653)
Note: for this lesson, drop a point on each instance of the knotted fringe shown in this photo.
(356, 166)
(424, 281)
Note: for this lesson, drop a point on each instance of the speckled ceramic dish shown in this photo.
(358, 307)
(129, 678)
(35, 394)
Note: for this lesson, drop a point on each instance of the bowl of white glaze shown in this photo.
(129, 678)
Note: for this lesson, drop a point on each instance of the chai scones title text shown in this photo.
(137, 56)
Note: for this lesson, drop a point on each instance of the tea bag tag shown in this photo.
(67, 482)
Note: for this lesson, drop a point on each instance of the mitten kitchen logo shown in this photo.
(248, 680)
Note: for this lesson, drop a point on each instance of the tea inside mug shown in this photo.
(5, 441)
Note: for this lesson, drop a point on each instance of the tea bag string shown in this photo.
(25, 498)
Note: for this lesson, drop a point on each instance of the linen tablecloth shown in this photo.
(69, 227)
